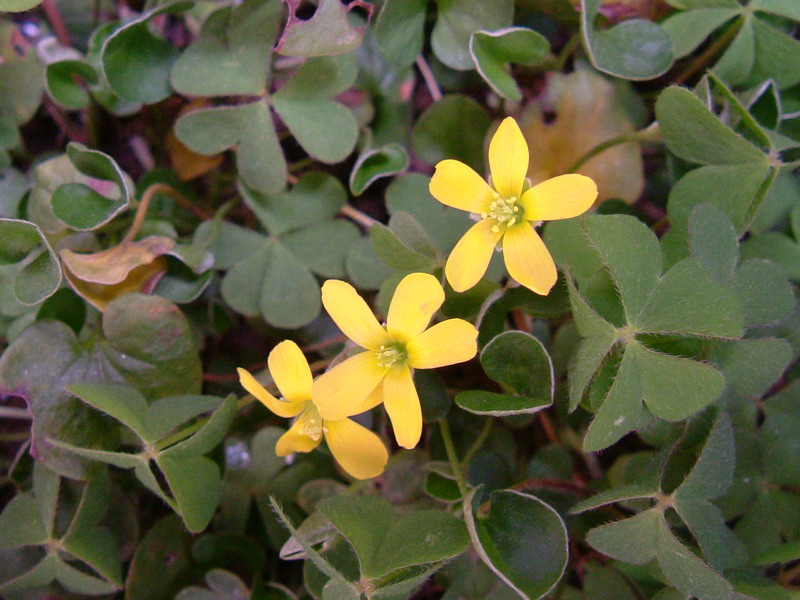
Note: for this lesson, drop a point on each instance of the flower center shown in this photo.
(390, 354)
(505, 212)
(313, 425)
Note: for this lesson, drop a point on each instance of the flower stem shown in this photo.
(476, 445)
(430, 80)
(648, 134)
(450, 448)
(12, 412)
(356, 215)
(141, 212)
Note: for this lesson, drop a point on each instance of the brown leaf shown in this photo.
(588, 112)
(129, 267)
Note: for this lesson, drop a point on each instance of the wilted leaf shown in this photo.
(588, 111)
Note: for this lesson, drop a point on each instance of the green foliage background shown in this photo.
(178, 178)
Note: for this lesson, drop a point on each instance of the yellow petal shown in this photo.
(296, 440)
(469, 259)
(402, 403)
(290, 372)
(508, 159)
(446, 343)
(371, 401)
(282, 409)
(360, 452)
(417, 297)
(342, 391)
(352, 314)
(527, 259)
(561, 197)
(455, 184)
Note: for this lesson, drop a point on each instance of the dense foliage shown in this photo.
(205, 204)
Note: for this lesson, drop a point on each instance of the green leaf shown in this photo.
(373, 164)
(634, 49)
(209, 435)
(323, 247)
(195, 484)
(423, 537)
(521, 539)
(692, 132)
(687, 299)
(82, 207)
(136, 63)
(364, 267)
(454, 127)
(737, 61)
(491, 52)
(41, 276)
(688, 29)
(364, 521)
(21, 82)
(633, 540)
(751, 366)
(766, 295)
(145, 342)
(18, 5)
(274, 284)
(700, 383)
(161, 563)
(730, 188)
(713, 240)
(326, 33)
(122, 402)
(685, 570)
(395, 253)
(519, 362)
(775, 56)
(21, 524)
(784, 8)
(230, 56)
(248, 128)
(326, 129)
(399, 30)
(63, 86)
(457, 20)
(635, 274)
(620, 493)
(317, 196)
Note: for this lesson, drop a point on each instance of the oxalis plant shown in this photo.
(399, 299)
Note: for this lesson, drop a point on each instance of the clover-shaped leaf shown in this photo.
(145, 340)
(29, 519)
(457, 20)
(634, 49)
(84, 207)
(708, 478)
(518, 362)
(493, 50)
(618, 324)
(136, 63)
(326, 33)
(758, 50)
(389, 548)
(23, 243)
(193, 480)
(21, 83)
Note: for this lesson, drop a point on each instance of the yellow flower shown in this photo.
(360, 452)
(508, 210)
(384, 371)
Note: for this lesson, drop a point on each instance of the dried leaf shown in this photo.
(588, 112)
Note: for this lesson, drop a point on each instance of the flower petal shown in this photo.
(290, 372)
(469, 259)
(295, 440)
(528, 260)
(508, 159)
(342, 391)
(360, 452)
(282, 409)
(352, 315)
(457, 185)
(402, 403)
(417, 297)
(561, 197)
(446, 343)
